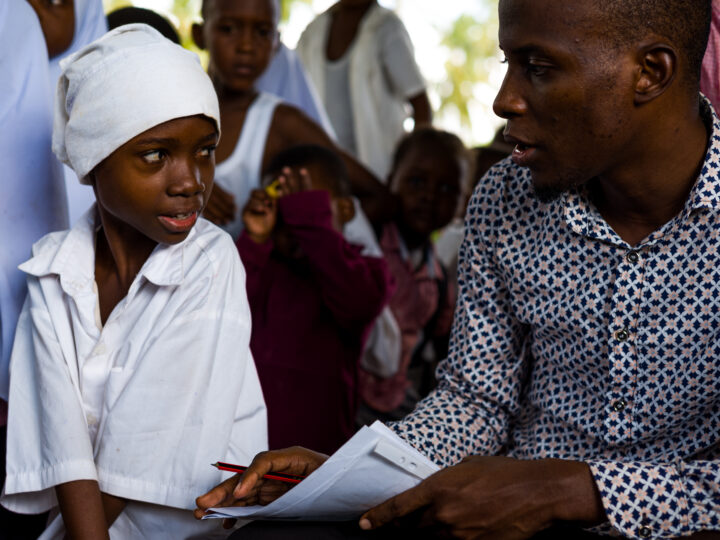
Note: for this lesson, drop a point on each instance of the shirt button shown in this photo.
(619, 405)
(644, 532)
(622, 335)
(632, 257)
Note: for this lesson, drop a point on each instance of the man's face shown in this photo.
(240, 37)
(567, 98)
(158, 182)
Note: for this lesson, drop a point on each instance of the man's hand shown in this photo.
(251, 488)
(259, 216)
(220, 207)
(495, 497)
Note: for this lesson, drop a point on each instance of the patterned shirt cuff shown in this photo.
(643, 500)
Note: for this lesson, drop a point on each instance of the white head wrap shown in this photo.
(126, 82)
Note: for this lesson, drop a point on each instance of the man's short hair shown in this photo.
(685, 22)
(306, 155)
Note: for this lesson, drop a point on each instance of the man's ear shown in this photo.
(198, 36)
(346, 209)
(658, 68)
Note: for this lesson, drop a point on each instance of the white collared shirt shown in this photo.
(145, 403)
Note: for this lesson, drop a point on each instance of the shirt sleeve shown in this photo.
(398, 59)
(354, 287)
(481, 380)
(48, 441)
(648, 500)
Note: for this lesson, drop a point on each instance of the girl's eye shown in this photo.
(154, 156)
(208, 150)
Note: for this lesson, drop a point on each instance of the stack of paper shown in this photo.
(370, 468)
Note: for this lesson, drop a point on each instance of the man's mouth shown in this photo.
(523, 153)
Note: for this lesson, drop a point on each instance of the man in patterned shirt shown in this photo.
(583, 379)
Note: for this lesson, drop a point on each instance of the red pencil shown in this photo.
(289, 478)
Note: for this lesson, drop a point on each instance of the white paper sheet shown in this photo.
(370, 468)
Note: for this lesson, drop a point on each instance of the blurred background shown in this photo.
(455, 46)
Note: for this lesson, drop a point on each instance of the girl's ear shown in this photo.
(346, 209)
(198, 36)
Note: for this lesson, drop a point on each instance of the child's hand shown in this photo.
(291, 181)
(259, 216)
(220, 207)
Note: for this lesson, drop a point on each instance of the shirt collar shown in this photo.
(582, 217)
(73, 259)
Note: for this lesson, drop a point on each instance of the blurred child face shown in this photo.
(57, 20)
(240, 36)
(428, 183)
(158, 182)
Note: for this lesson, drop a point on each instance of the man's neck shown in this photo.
(654, 188)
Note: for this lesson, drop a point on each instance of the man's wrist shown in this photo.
(574, 493)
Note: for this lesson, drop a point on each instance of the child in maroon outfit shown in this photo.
(312, 296)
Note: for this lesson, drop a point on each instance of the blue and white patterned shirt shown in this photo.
(570, 343)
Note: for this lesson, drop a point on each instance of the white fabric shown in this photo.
(90, 24)
(339, 108)
(383, 75)
(240, 173)
(381, 354)
(33, 201)
(123, 84)
(182, 391)
(285, 77)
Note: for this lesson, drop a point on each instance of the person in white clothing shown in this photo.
(361, 60)
(240, 38)
(286, 78)
(131, 371)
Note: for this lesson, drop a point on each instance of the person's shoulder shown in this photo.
(291, 123)
(316, 25)
(211, 250)
(505, 190)
(385, 19)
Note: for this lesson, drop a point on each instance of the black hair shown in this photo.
(311, 154)
(129, 15)
(437, 139)
(686, 23)
(278, 5)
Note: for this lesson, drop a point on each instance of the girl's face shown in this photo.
(158, 183)
(428, 184)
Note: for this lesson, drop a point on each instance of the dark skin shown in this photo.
(57, 20)
(150, 190)
(346, 18)
(624, 122)
(427, 183)
(260, 212)
(241, 38)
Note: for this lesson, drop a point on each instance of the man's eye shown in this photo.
(225, 28)
(154, 156)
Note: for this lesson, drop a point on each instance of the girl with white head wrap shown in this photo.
(138, 405)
